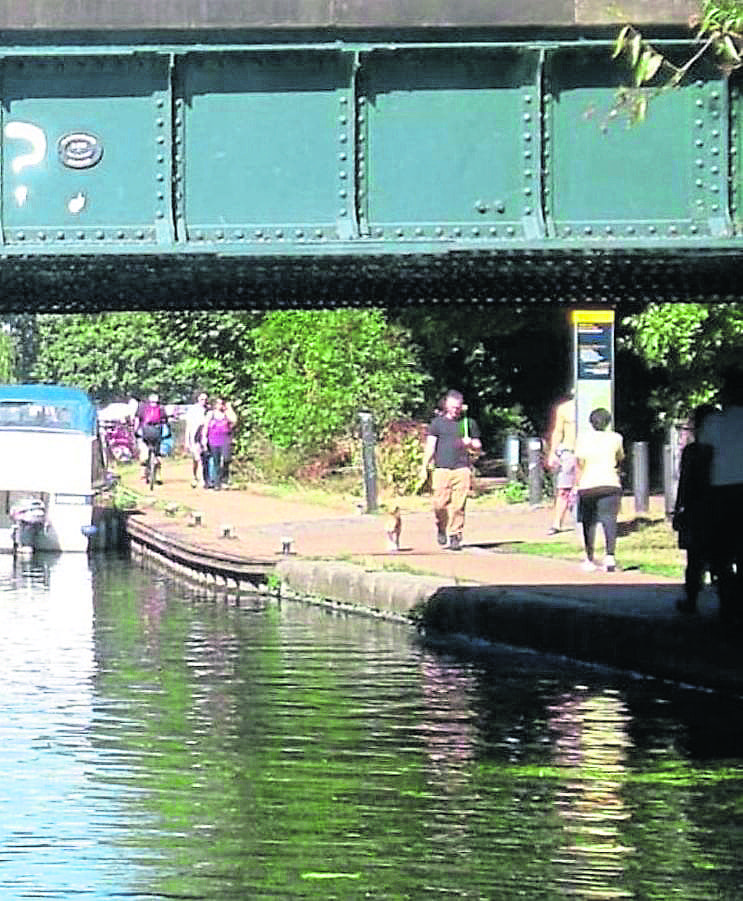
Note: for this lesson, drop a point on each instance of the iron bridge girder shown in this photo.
(359, 173)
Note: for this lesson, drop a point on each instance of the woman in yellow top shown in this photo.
(598, 454)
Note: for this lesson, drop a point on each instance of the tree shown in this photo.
(8, 356)
(107, 354)
(692, 344)
(315, 370)
(509, 362)
(119, 354)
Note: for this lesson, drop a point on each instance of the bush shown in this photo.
(400, 454)
(264, 462)
(515, 492)
(315, 370)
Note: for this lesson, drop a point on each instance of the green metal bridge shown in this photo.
(353, 162)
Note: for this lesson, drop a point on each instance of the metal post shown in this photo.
(535, 471)
(676, 436)
(513, 453)
(368, 460)
(641, 476)
(669, 483)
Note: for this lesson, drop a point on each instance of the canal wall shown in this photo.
(109, 529)
(633, 628)
(630, 632)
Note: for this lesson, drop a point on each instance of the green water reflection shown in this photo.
(278, 751)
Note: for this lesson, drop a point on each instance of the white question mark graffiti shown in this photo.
(25, 131)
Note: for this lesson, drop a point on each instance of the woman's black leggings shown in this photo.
(599, 505)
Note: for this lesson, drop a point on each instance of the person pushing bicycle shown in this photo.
(150, 424)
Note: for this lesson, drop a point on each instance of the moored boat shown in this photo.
(54, 468)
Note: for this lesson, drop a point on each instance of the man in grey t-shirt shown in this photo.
(450, 439)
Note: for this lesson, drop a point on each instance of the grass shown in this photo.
(645, 544)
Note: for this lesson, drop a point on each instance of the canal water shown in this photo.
(157, 743)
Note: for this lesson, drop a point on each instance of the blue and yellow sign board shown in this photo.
(593, 343)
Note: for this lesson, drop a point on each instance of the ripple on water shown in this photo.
(156, 743)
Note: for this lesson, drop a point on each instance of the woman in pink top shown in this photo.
(218, 440)
(598, 454)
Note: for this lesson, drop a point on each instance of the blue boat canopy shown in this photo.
(52, 407)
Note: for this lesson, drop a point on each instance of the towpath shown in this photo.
(259, 523)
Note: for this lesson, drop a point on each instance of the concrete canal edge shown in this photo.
(382, 593)
(697, 652)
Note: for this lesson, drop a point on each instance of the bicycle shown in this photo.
(153, 442)
(152, 466)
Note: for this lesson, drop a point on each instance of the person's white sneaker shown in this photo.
(588, 566)
(610, 563)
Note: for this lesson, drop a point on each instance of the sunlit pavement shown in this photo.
(260, 526)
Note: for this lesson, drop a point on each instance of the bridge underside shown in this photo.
(90, 282)
(359, 172)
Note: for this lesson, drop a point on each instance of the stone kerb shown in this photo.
(347, 583)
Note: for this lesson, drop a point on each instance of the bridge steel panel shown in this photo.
(363, 171)
(448, 144)
(123, 102)
(667, 176)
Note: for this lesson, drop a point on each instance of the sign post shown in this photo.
(593, 353)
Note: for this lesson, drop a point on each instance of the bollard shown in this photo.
(513, 456)
(641, 476)
(535, 471)
(677, 436)
(670, 484)
(368, 460)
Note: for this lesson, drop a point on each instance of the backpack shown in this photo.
(152, 414)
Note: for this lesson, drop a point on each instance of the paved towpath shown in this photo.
(260, 523)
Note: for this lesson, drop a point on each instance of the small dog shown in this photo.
(392, 528)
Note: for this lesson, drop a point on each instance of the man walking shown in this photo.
(450, 439)
(561, 457)
(195, 421)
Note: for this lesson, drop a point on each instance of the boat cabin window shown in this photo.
(25, 414)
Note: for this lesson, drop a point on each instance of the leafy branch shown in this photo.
(719, 30)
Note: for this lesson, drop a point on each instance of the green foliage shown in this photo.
(107, 354)
(8, 357)
(721, 18)
(315, 370)
(719, 30)
(400, 454)
(514, 492)
(118, 354)
(215, 351)
(692, 343)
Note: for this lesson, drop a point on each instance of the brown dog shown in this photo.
(392, 528)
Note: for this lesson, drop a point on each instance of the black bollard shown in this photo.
(535, 472)
(368, 460)
(641, 476)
